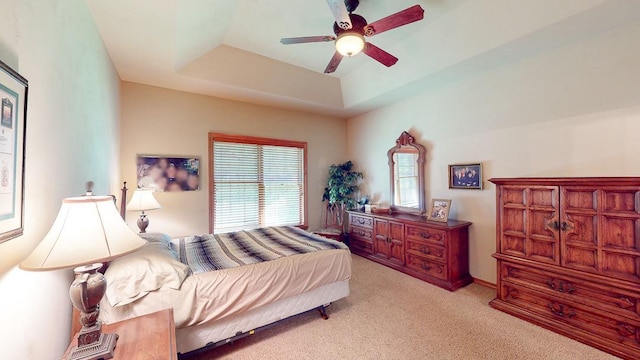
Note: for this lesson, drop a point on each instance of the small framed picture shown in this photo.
(465, 176)
(439, 210)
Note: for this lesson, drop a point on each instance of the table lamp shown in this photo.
(87, 231)
(142, 200)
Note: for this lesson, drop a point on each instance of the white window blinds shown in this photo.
(256, 184)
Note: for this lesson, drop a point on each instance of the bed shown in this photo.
(226, 286)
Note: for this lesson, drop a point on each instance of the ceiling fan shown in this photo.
(350, 30)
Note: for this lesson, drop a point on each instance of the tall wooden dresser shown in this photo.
(435, 252)
(568, 255)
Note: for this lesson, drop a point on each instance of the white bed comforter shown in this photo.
(214, 295)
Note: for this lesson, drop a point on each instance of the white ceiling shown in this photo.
(231, 49)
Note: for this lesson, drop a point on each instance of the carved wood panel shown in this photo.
(396, 242)
(530, 227)
(600, 230)
(389, 240)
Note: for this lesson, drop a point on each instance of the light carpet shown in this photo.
(390, 315)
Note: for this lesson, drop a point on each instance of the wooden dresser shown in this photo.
(568, 254)
(435, 252)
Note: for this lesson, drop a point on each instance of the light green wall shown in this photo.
(72, 137)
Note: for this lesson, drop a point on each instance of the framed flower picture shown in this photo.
(168, 173)
(439, 210)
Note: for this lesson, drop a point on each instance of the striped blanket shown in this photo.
(222, 251)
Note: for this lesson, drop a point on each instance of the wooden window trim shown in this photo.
(213, 136)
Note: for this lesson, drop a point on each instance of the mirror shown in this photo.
(406, 168)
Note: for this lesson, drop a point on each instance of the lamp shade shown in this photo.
(88, 229)
(142, 200)
(349, 43)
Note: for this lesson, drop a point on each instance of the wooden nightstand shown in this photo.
(148, 337)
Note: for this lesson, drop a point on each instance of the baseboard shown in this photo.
(484, 283)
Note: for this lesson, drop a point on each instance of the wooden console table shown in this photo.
(435, 252)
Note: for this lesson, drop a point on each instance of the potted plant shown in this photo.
(342, 186)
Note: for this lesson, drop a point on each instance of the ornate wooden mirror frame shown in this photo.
(406, 144)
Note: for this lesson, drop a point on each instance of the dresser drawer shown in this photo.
(357, 244)
(426, 250)
(425, 234)
(361, 221)
(426, 266)
(600, 296)
(361, 233)
(591, 321)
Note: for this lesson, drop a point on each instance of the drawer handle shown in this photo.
(427, 267)
(561, 286)
(425, 235)
(512, 293)
(425, 250)
(625, 330)
(360, 221)
(567, 226)
(624, 302)
(561, 310)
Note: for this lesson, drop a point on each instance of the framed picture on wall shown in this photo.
(13, 120)
(168, 173)
(439, 210)
(465, 176)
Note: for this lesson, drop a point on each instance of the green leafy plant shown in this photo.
(342, 186)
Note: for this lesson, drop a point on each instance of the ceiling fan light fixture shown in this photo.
(349, 43)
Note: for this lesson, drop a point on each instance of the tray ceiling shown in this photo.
(231, 49)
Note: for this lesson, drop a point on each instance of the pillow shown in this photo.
(133, 276)
(161, 239)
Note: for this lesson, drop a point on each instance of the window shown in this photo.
(406, 177)
(256, 182)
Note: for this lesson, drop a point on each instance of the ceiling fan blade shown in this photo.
(393, 21)
(379, 55)
(340, 13)
(306, 39)
(333, 64)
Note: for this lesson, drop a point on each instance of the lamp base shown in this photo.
(85, 292)
(101, 349)
(143, 222)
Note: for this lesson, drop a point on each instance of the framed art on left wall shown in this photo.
(13, 120)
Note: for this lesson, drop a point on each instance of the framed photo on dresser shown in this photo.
(439, 210)
(13, 119)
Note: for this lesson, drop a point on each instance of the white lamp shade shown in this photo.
(349, 44)
(88, 229)
(142, 200)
